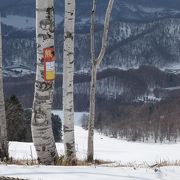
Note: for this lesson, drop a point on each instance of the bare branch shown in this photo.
(105, 32)
(92, 31)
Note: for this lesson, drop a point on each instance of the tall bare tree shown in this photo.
(96, 61)
(44, 85)
(68, 74)
(3, 129)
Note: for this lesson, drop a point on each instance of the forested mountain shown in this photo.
(136, 10)
(143, 56)
(140, 69)
(130, 46)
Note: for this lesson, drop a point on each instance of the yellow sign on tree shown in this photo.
(49, 64)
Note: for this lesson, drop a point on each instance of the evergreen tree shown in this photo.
(57, 127)
(16, 130)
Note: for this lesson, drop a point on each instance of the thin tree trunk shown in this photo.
(3, 129)
(90, 155)
(44, 85)
(95, 64)
(68, 75)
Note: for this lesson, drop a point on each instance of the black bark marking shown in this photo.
(45, 36)
(44, 86)
(69, 151)
(66, 129)
(43, 148)
(69, 35)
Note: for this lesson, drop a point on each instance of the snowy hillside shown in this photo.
(121, 152)
(108, 149)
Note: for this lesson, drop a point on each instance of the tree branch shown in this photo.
(105, 32)
(92, 32)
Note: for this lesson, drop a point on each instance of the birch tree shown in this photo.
(68, 73)
(45, 74)
(96, 61)
(3, 129)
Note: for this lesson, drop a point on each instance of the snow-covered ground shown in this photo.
(89, 173)
(108, 149)
(118, 151)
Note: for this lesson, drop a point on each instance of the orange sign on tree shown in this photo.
(49, 64)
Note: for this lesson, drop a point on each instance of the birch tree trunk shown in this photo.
(68, 74)
(95, 64)
(44, 85)
(90, 155)
(3, 129)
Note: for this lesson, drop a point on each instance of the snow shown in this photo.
(77, 116)
(172, 88)
(20, 22)
(120, 152)
(148, 99)
(88, 173)
(24, 22)
(106, 148)
(17, 72)
(173, 68)
(150, 9)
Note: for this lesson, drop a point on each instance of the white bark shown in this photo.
(43, 97)
(68, 74)
(95, 64)
(3, 129)
(105, 32)
(92, 88)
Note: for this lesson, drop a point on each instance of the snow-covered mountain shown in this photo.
(139, 10)
(131, 45)
(142, 33)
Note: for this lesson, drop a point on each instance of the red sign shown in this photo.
(49, 54)
(49, 64)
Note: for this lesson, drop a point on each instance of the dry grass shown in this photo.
(60, 162)
(97, 162)
(163, 163)
(77, 162)
(29, 162)
(157, 164)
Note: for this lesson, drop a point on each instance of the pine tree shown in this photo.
(16, 130)
(57, 128)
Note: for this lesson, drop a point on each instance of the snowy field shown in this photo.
(109, 149)
(89, 173)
